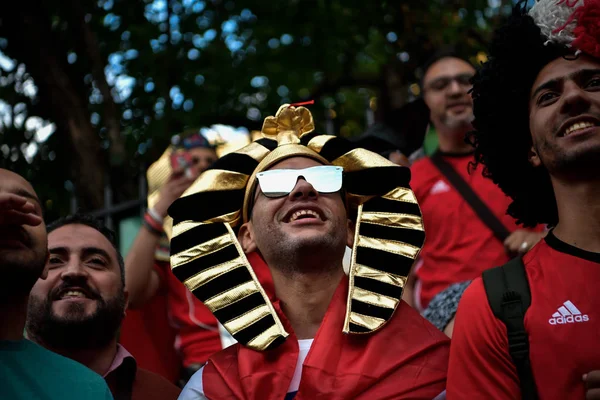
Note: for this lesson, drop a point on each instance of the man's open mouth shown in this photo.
(73, 293)
(578, 126)
(304, 214)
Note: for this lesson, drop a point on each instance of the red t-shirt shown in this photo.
(458, 245)
(563, 325)
(197, 330)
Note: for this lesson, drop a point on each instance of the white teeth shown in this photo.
(72, 293)
(300, 213)
(577, 126)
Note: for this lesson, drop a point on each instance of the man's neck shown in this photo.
(578, 213)
(13, 313)
(98, 360)
(453, 141)
(305, 297)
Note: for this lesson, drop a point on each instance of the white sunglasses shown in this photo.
(281, 182)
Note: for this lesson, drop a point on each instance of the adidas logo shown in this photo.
(439, 187)
(568, 314)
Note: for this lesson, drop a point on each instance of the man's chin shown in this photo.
(74, 309)
(462, 120)
(581, 161)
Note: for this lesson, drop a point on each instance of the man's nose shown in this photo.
(73, 269)
(575, 99)
(303, 190)
(456, 89)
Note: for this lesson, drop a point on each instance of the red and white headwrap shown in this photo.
(573, 23)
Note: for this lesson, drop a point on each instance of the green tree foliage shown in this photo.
(114, 79)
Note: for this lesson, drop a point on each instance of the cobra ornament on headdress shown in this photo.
(572, 23)
(207, 257)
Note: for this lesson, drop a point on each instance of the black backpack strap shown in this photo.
(508, 293)
(463, 188)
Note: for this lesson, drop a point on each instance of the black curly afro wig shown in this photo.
(501, 137)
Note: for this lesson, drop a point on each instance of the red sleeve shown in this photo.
(480, 366)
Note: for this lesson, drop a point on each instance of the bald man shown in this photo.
(23, 254)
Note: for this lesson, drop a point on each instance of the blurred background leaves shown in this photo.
(92, 91)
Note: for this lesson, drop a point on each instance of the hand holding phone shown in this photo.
(182, 161)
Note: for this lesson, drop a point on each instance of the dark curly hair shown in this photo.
(501, 137)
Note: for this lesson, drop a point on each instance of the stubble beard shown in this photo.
(303, 254)
(580, 163)
(76, 330)
(458, 123)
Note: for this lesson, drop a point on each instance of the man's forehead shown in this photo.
(447, 66)
(564, 68)
(296, 163)
(76, 237)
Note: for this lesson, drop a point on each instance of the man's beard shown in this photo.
(75, 331)
(461, 123)
(308, 254)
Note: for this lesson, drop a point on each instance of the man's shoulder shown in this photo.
(59, 362)
(228, 354)
(475, 315)
(64, 372)
(423, 176)
(153, 383)
(474, 297)
(413, 341)
(423, 167)
(416, 326)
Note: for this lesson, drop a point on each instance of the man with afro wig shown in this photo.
(537, 132)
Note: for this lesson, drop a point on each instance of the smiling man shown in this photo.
(266, 259)
(544, 72)
(461, 241)
(77, 310)
(28, 371)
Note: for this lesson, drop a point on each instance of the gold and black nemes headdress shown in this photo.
(207, 257)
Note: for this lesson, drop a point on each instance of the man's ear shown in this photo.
(533, 157)
(350, 239)
(44, 274)
(246, 238)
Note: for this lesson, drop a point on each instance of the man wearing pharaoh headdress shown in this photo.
(266, 259)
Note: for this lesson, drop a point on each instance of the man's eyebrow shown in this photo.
(546, 85)
(62, 250)
(96, 250)
(585, 73)
(582, 73)
(86, 251)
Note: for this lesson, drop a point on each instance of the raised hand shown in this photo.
(17, 210)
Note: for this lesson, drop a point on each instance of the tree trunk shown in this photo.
(32, 42)
(88, 44)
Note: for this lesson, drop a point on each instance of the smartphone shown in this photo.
(182, 160)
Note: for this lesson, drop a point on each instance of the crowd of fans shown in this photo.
(304, 266)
